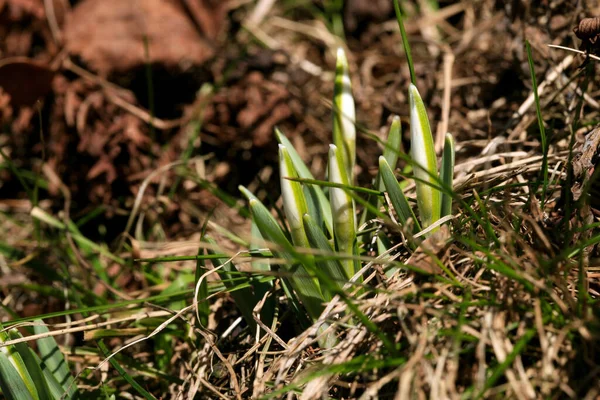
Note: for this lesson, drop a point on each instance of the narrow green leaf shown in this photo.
(15, 359)
(54, 360)
(294, 203)
(203, 305)
(399, 202)
(331, 266)
(81, 240)
(406, 45)
(56, 390)
(393, 145)
(391, 152)
(12, 385)
(447, 174)
(423, 155)
(121, 371)
(245, 298)
(318, 205)
(306, 286)
(258, 264)
(32, 365)
(538, 111)
(344, 114)
(342, 210)
(348, 188)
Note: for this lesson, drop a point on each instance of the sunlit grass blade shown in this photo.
(12, 385)
(318, 205)
(33, 366)
(306, 286)
(294, 203)
(54, 360)
(203, 305)
(397, 198)
(342, 209)
(423, 155)
(405, 44)
(45, 217)
(349, 188)
(447, 174)
(330, 266)
(538, 111)
(344, 115)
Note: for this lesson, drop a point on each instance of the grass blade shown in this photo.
(540, 124)
(203, 306)
(405, 43)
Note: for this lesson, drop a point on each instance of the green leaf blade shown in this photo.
(342, 209)
(344, 118)
(396, 195)
(53, 359)
(12, 385)
(304, 284)
(32, 366)
(447, 174)
(331, 267)
(318, 205)
(294, 202)
(423, 155)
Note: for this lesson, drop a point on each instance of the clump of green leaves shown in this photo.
(319, 239)
(25, 375)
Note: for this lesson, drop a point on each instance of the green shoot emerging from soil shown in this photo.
(305, 203)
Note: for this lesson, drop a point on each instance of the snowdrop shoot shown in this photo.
(344, 114)
(423, 155)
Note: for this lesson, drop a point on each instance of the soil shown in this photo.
(116, 85)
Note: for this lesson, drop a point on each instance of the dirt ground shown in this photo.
(100, 94)
(169, 105)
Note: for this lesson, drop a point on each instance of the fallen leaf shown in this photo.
(25, 80)
(110, 35)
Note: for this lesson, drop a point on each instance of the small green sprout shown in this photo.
(319, 225)
(344, 115)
